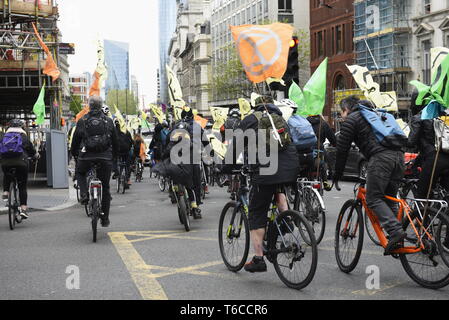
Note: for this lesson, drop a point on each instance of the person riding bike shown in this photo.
(323, 131)
(385, 168)
(15, 149)
(125, 145)
(265, 186)
(232, 123)
(139, 149)
(95, 142)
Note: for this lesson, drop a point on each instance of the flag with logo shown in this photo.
(157, 112)
(245, 107)
(174, 89)
(219, 115)
(263, 49)
(120, 119)
(100, 73)
(50, 69)
(39, 107)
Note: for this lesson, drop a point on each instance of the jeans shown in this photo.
(384, 174)
(103, 173)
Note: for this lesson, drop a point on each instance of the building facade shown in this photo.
(227, 13)
(135, 88)
(79, 85)
(190, 53)
(331, 33)
(167, 25)
(117, 62)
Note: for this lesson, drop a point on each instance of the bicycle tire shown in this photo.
(344, 266)
(183, 210)
(12, 202)
(426, 257)
(290, 222)
(162, 184)
(236, 214)
(95, 217)
(370, 230)
(123, 179)
(310, 202)
(118, 183)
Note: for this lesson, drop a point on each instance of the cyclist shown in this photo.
(139, 149)
(385, 167)
(15, 149)
(266, 186)
(95, 142)
(323, 131)
(125, 144)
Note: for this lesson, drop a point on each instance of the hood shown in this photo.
(271, 109)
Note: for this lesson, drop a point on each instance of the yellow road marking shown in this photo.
(388, 286)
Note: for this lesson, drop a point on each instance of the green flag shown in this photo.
(315, 90)
(295, 94)
(39, 107)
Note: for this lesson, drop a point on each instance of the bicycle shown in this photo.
(139, 170)
(182, 201)
(423, 247)
(13, 201)
(162, 183)
(122, 176)
(282, 243)
(95, 200)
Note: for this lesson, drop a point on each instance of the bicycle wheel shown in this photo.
(349, 236)
(162, 184)
(295, 260)
(123, 181)
(429, 267)
(308, 204)
(13, 208)
(370, 230)
(95, 212)
(183, 210)
(118, 183)
(233, 236)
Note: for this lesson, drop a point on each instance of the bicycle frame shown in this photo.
(404, 210)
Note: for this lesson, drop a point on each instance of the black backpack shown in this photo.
(97, 139)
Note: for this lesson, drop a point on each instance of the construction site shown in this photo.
(21, 63)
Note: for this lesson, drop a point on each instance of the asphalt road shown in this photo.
(146, 254)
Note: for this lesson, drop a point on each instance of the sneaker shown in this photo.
(115, 175)
(23, 214)
(257, 264)
(84, 199)
(394, 241)
(327, 186)
(105, 223)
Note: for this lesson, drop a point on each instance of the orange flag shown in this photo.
(50, 69)
(95, 88)
(263, 49)
(201, 121)
(82, 113)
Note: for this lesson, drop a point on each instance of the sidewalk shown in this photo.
(43, 198)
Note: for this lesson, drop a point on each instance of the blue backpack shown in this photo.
(11, 145)
(385, 128)
(302, 132)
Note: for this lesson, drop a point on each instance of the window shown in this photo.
(427, 6)
(426, 46)
(285, 5)
(339, 39)
(340, 83)
(320, 43)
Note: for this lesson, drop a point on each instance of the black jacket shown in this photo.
(422, 135)
(355, 129)
(326, 131)
(28, 151)
(80, 135)
(125, 141)
(288, 160)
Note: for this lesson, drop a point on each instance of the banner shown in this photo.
(371, 89)
(219, 148)
(201, 121)
(120, 119)
(245, 107)
(39, 107)
(219, 115)
(100, 73)
(157, 112)
(174, 89)
(263, 49)
(50, 69)
(82, 113)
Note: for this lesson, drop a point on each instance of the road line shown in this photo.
(388, 286)
(149, 287)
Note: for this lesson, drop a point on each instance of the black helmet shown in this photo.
(16, 123)
(187, 115)
(234, 113)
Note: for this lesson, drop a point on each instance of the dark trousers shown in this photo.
(103, 173)
(22, 179)
(260, 199)
(197, 182)
(442, 165)
(127, 160)
(385, 172)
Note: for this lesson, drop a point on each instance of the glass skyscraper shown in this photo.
(167, 26)
(117, 61)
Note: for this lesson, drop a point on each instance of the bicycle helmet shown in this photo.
(16, 123)
(234, 113)
(105, 109)
(289, 103)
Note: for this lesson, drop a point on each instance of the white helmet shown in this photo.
(289, 103)
(105, 109)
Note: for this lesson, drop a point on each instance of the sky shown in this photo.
(134, 21)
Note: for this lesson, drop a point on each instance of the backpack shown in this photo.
(264, 123)
(441, 134)
(164, 136)
(385, 128)
(97, 138)
(11, 145)
(302, 132)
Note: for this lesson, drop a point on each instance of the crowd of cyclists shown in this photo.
(97, 139)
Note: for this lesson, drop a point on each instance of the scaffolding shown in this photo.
(22, 59)
(382, 42)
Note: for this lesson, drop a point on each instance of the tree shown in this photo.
(119, 98)
(76, 104)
